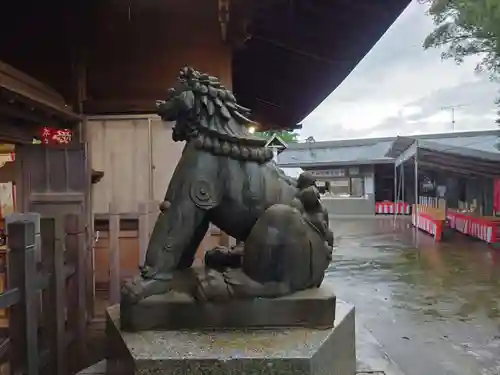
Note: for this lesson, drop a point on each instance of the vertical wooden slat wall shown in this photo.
(138, 158)
(46, 335)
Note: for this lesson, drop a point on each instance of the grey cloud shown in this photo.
(478, 95)
(395, 67)
(474, 97)
(477, 98)
(411, 27)
(342, 132)
(399, 50)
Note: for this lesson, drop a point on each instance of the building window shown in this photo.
(342, 187)
(357, 186)
(339, 187)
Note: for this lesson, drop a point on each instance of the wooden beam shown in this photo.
(433, 166)
(15, 80)
(468, 169)
(17, 132)
(18, 86)
(298, 51)
(121, 106)
(316, 21)
(487, 168)
(449, 159)
(15, 111)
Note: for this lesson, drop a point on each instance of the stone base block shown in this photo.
(291, 351)
(313, 308)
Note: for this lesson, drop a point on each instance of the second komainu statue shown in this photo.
(226, 176)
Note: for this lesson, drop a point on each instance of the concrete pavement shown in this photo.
(433, 309)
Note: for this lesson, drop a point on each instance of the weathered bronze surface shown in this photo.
(226, 177)
(312, 308)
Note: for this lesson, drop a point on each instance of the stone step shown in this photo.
(96, 369)
(372, 360)
(371, 357)
(100, 369)
(388, 367)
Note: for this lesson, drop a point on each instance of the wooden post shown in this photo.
(148, 212)
(143, 231)
(76, 304)
(114, 254)
(90, 267)
(48, 240)
(23, 324)
(33, 217)
(58, 286)
(226, 240)
(154, 211)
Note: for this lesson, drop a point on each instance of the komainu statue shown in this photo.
(226, 176)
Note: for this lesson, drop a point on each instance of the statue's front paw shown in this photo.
(131, 292)
(139, 288)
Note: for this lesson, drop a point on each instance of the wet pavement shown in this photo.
(435, 309)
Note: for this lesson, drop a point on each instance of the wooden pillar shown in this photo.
(76, 302)
(114, 254)
(23, 323)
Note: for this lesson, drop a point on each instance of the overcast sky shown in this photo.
(400, 89)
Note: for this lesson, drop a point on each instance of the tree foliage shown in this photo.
(286, 136)
(467, 28)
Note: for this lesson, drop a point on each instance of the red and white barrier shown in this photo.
(388, 208)
(426, 223)
(482, 228)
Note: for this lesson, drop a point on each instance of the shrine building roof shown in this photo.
(300, 51)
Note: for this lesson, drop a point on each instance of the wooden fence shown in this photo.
(123, 255)
(115, 258)
(45, 301)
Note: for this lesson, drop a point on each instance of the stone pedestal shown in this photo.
(312, 308)
(281, 351)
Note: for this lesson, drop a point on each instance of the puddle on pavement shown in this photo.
(445, 295)
(458, 278)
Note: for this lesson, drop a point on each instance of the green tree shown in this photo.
(467, 28)
(286, 136)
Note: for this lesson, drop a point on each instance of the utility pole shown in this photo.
(452, 109)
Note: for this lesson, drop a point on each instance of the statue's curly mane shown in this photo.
(215, 121)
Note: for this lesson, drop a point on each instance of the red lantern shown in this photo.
(62, 136)
(54, 136)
